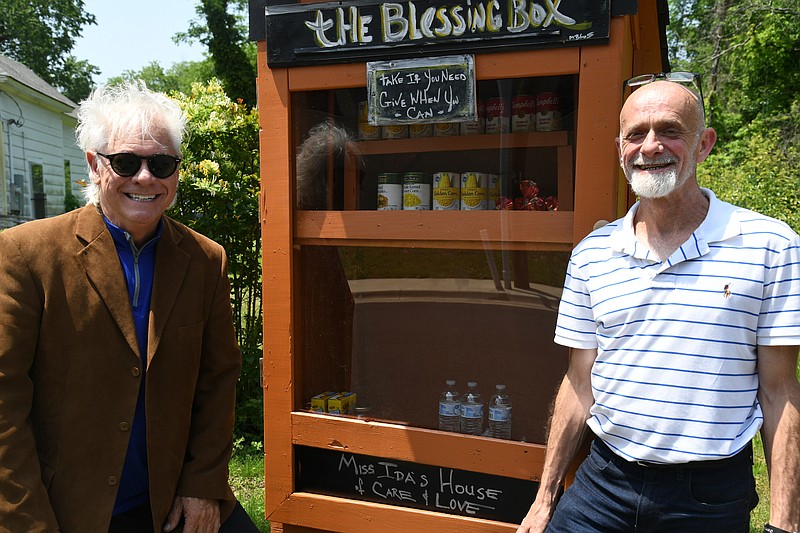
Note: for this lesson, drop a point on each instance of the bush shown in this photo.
(219, 197)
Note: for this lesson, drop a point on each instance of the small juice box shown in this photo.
(343, 403)
(319, 403)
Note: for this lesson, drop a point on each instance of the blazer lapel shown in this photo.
(100, 261)
(172, 263)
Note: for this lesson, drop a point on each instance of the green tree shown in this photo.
(225, 35)
(219, 192)
(747, 52)
(178, 77)
(41, 34)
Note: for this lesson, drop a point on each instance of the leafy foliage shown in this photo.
(225, 35)
(41, 34)
(179, 77)
(219, 197)
(747, 53)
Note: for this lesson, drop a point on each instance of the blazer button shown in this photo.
(135, 372)
(124, 426)
(112, 480)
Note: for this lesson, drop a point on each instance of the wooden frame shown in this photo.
(599, 194)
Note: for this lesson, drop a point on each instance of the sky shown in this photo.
(130, 35)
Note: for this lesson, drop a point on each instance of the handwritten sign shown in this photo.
(329, 32)
(420, 486)
(440, 89)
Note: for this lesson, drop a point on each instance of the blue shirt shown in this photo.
(138, 265)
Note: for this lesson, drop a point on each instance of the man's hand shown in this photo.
(200, 516)
(535, 521)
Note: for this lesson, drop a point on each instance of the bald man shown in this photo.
(683, 323)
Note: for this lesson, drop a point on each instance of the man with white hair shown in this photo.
(118, 358)
(683, 323)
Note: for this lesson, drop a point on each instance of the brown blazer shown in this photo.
(70, 372)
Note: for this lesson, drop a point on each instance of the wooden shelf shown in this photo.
(510, 230)
(464, 143)
(392, 441)
(327, 513)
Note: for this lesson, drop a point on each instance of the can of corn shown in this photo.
(474, 192)
(446, 189)
(416, 191)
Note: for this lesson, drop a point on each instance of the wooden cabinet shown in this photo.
(390, 303)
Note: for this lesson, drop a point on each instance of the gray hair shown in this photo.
(116, 111)
(326, 139)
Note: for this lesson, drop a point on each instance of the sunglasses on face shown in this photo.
(690, 80)
(127, 164)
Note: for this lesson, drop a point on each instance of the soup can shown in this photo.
(446, 191)
(420, 130)
(366, 131)
(390, 192)
(498, 115)
(394, 131)
(523, 113)
(444, 129)
(479, 126)
(548, 111)
(416, 191)
(474, 193)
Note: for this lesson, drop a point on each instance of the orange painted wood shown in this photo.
(523, 64)
(522, 230)
(351, 516)
(566, 177)
(464, 143)
(276, 226)
(477, 454)
(596, 163)
(600, 71)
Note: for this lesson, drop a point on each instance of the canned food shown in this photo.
(494, 186)
(474, 193)
(366, 131)
(523, 113)
(446, 191)
(390, 192)
(479, 126)
(548, 111)
(416, 191)
(498, 115)
(443, 129)
(420, 130)
(394, 131)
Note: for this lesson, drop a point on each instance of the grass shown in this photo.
(247, 480)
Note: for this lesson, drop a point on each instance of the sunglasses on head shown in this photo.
(690, 80)
(127, 164)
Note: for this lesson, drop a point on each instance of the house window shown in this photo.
(39, 198)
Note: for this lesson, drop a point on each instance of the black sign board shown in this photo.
(302, 34)
(439, 89)
(406, 484)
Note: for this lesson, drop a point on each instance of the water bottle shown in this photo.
(450, 408)
(472, 410)
(500, 414)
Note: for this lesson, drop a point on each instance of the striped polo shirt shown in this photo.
(675, 379)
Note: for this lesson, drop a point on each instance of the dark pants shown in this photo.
(140, 520)
(612, 495)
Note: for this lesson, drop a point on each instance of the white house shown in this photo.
(40, 160)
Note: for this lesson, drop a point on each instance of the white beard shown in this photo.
(654, 184)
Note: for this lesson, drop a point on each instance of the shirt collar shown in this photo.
(721, 223)
(122, 237)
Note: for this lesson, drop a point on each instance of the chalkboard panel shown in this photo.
(406, 484)
(438, 89)
(335, 32)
